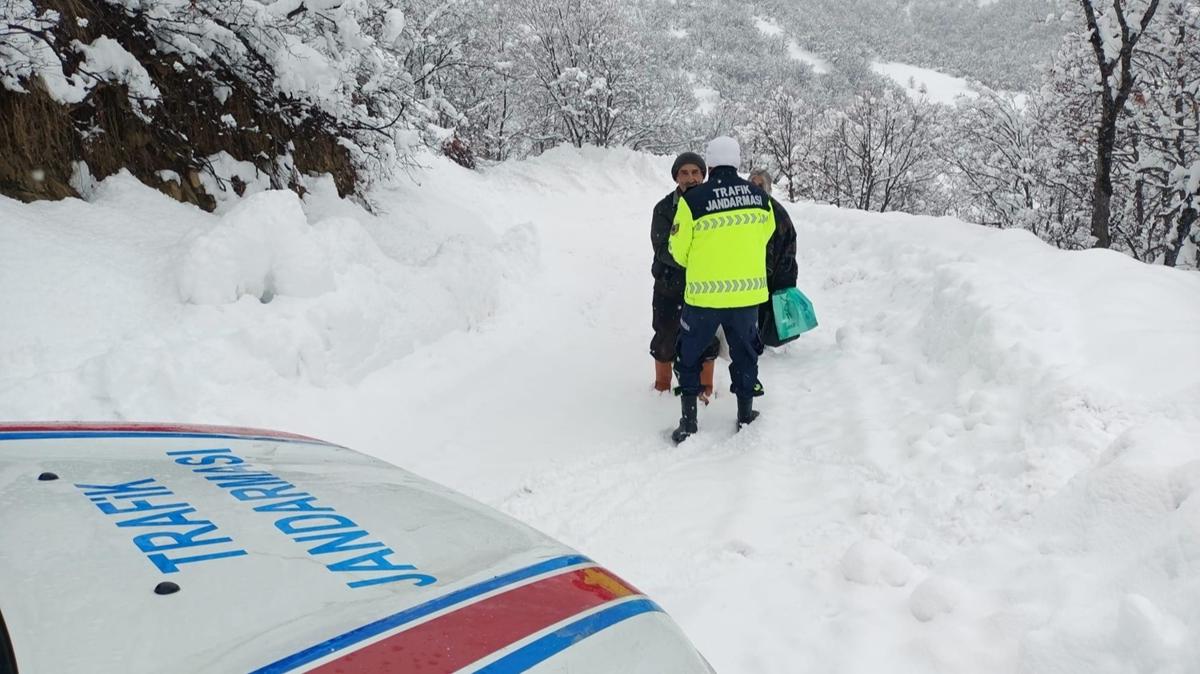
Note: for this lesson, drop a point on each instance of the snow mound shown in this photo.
(274, 289)
(874, 563)
(264, 247)
(934, 597)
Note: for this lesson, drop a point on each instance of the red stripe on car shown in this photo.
(456, 639)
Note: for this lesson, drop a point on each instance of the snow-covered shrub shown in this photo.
(344, 87)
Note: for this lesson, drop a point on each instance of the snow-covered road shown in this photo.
(984, 460)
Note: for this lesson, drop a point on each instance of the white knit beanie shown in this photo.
(723, 151)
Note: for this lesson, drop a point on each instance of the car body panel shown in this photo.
(290, 554)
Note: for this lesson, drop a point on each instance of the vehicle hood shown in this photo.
(288, 554)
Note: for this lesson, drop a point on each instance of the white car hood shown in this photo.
(289, 554)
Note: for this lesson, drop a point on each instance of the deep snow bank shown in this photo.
(1041, 470)
(132, 306)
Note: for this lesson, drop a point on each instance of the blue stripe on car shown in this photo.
(408, 615)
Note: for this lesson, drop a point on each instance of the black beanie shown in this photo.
(688, 158)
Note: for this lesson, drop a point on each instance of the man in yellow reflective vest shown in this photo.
(719, 237)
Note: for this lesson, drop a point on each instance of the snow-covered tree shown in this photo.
(487, 91)
(781, 133)
(371, 65)
(1036, 166)
(1152, 142)
(362, 71)
(28, 47)
(994, 162)
(595, 75)
(878, 154)
(1113, 38)
(1015, 164)
(1165, 128)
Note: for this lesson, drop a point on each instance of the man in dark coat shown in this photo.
(781, 259)
(687, 171)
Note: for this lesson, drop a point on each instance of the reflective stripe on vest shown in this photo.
(734, 285)
(710, 222)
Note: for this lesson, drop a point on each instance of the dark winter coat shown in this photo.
(781, 271)
(668, 275)
(781, 251)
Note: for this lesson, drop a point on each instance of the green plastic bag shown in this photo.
(793, 313)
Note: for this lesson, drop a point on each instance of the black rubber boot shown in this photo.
(687, 423)
(746, 412)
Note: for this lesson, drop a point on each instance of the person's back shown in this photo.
(722, 228)
(719, 237)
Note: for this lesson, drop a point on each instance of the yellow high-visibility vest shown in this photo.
(724, 249)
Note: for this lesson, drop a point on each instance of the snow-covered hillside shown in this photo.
(984, 460)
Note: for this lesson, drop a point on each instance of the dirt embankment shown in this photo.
(204, 110)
